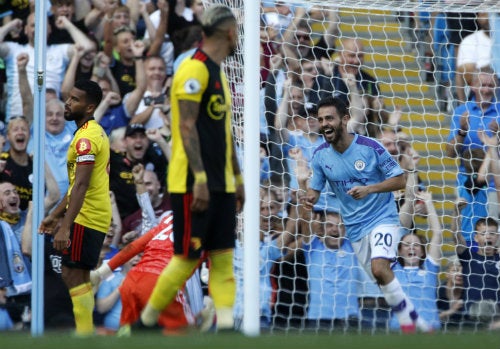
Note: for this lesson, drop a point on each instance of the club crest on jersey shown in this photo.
(217, 107)
(17, 263)
(359, 165)
(83, 146)
(192, 86)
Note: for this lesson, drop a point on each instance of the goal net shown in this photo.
(406, 69)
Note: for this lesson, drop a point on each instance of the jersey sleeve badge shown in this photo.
(192, 86)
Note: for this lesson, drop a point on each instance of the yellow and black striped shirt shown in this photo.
(201, 80)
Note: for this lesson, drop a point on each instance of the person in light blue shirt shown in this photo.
(301, 145)
(363, 175)
(333, 274)
(333, 269)
(480, 113)
(444, 58)
(417, 269)
(354, 172)
(273, 242)
(495, 48)
(5, 319)
(108, 301)
(58, 136)
(473, 116)
(269, 252)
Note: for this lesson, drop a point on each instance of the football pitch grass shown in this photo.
(64, 340)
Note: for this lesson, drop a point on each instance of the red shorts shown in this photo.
(134, 299)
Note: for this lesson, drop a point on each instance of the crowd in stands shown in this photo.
(309, 275)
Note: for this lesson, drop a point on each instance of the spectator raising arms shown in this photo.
(58, 56)
(332, 268)
(417, 266)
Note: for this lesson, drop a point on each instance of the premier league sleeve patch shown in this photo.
(192, 86)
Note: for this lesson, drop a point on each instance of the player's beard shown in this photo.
(73, 116)
(335, 138)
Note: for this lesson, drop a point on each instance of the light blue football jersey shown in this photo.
(365, 162)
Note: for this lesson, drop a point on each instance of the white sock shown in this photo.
(401, 305)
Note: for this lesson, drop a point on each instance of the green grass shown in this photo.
(54, 340)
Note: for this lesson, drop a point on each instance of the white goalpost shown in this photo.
(415, 78)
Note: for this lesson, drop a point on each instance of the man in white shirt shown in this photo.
(57, 58)
(474, 52)
(154, 106)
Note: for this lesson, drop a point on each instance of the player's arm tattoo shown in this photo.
(188, 115)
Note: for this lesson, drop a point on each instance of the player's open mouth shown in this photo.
(328, 131)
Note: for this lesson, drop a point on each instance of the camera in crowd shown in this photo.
(149, 100)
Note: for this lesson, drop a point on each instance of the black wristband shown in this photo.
(462, 133)
(137, 58)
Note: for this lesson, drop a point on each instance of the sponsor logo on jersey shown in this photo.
(83, 146)
(216, 107)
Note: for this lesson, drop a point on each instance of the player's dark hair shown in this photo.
(93, 92)
(335, 102)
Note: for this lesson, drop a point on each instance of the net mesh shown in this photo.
(410, 50)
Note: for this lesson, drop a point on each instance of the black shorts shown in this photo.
(84, 248)
(213, 229)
